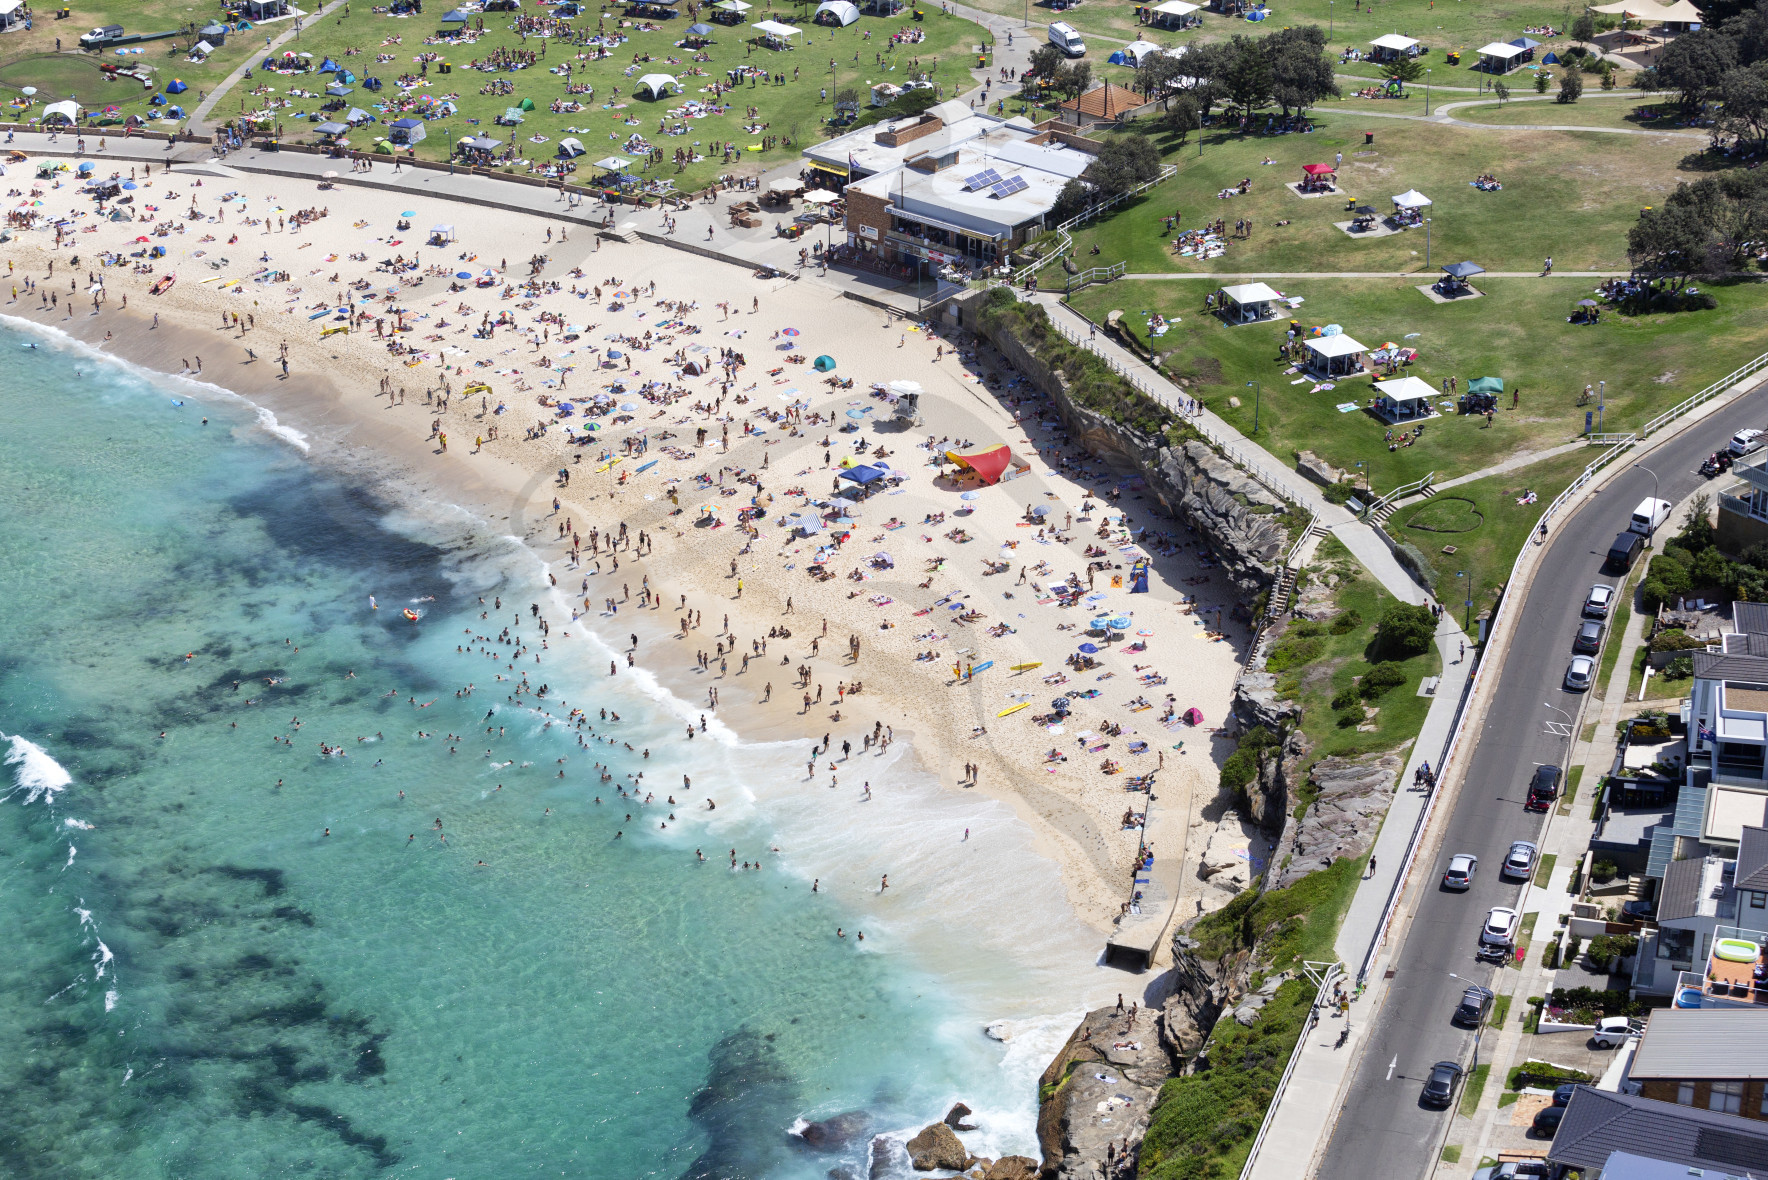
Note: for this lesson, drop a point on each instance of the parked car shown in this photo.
(1580, 673)
(1563, 1094)
(1476, 1001)
(1543, 788)
(1459, 874)
(1515, 1170)
(1547, 1121)
(1601, 597)
(1612, 1031)
(1520, 860)
(1624, 552)
(1638, 908)
(1589, 637)
(1746, 442)
(1440, 1086)
(1499, 932)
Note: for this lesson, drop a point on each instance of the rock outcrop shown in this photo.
(1317, 469)
(1354, 794)
(1227, 857)
(836, 1132)
(954, 1118)
(1012, 1167)
(937, 1146)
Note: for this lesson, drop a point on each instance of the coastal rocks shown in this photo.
(954, 1118)
(1227, 858)
(1256, 703)
(887, 1158)
(1247, 1010)
(1012, 1167)
(1317, 469)
(937, 1146)
(1098, 1091)
(1201, 989)
(1354, 794)
(832, 1134)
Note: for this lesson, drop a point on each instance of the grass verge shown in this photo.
(1572, 779)
(1451, 1153)
(1611, 653)
(1544, 870)
(1500, 1011)
(1476, 1086)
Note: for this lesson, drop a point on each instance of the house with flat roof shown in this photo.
(1599, 1123)
(1710, 1058)
(882, 147)
(1743, 506)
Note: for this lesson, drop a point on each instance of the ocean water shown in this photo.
(200, 982)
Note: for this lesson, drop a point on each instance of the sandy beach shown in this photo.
(454, 389)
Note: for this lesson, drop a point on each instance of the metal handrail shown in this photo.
(1707, 394)
(1167, 172)
(1094, 274)
(1264, 1129)
(1401, 492)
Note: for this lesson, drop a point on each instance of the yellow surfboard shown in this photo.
(324, 332)
(1013, 708)
(1025, 667)
(610, 463)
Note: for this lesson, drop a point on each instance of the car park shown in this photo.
(1520, 860)
(1746, 442)
(1440, 1086)
(1543, 788)
(1612, 1031)
(1499, 932)
(1599, 600)
(1589, 637)
(1459, 874)
(1547, 1121)
(1580, 673)
(1476, 1001)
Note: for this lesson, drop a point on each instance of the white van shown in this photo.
(1648, 516)
(1066, 37)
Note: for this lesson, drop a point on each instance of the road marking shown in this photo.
(1558, 728)
(1391, 1065)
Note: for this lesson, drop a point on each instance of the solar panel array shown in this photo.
(982, 179)
(1009, 186)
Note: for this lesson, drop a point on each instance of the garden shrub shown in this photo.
(1405, 631)
(1380, 678)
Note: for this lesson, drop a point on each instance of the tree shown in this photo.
(1744, 91)
(1668, 243)
(1608, 75)
(1123, 162)
(1074, 79)
(1070, 202)
(1694, 65)
(1583, 29)
(1206, 64)
(1502, 91)
(1405, 631)
(1301, 73)
(1157, 75)
(1045, 60)
(1184, 116)
(1408, 69)
(1571, 85)
(1542, 78)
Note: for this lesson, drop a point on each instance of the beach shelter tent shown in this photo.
(407, 130)
(1172, 12)
(1333, 356)
(1486, 385)
(1393, 47)
(66, 111)
(836, 13)
(454, 17)
(613, 164)
(824, 363)
(382, 147)
(201, 49)
(1411, 199)
(1464, 270)
(1500, 58)
(570, 149)
(773, 30)
(658, 84)
(177, 86)
(1246, 303)
(441, 233)
(358, 115)
(989, 463)
(1404, 399)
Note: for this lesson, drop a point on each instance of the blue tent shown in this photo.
(327, 66)
(862, 474)
(1552, 59)
(1118, 59)
(346, 77)
(335, 90)
(176, 87)
(371, 83)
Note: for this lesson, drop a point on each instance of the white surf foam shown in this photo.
(37, 775)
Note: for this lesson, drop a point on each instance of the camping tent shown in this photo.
(1404, 399)
(570, 149)
(1246, 303)
(989, 463)
(407, 130)
(177, 86)
(56, 112)
(824, 363)
(1133, 53)
(835, 12)
(658, 84)
(358, 115)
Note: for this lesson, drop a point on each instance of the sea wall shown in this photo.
(1234, 514)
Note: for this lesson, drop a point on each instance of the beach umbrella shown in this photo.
(1089, 648)
(409, 213)
(628, 406)
(856, 413)
(1098, 624)
(821, 196)
(1121, 623)
(1041, 510)
(142, 239)
(614, 354)
(1588, 303)
(790, 332)
(86, 166)
(463, 274)
(971, 496)
(28, 91)
(130, 184)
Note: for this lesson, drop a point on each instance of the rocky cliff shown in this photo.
(1353, 795)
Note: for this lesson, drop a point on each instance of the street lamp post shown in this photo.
(1427, 245)
(1427, 94)
(1601, 403)
(1257, 397)
(1330, 17)
(1466, 602)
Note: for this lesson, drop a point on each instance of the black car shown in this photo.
(1563, 1094)
(1589, 637)
(1547, 1121)
(1439, 1087)
(1638, 908)
(1476, 1001)
(1543, 788)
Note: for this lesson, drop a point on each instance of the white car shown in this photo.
(1499, 932)
(1745, 442)
(1602, 596)
(1612, 1031)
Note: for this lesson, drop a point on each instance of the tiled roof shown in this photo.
(1752, 860)
(1106, 102)
(1598, 1123)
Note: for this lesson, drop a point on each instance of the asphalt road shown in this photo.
(1383, 1130)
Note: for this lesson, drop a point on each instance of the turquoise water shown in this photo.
(200, 982)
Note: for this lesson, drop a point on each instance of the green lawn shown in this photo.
(795, 112)
(1573, 777)
(1544, 872)
(1592, 110)
(1567, 194)
(1617, 627)
(1476, 1086)
(1500, 1012)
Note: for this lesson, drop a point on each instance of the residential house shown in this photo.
(1599, 1123)
(1743, 507)
(1710, 1058)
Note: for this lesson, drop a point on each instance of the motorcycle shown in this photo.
(1717, 463)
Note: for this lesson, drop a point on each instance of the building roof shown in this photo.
(1046, 157)
(1703, 1043)
(1750, 618)
(861, 150)
(1598, 1123)
(1251, 293)
(1394, 41)
(1499, 49)
(1732, 807)
(1747, 669)
(1625, 1165)
(1406, 389)
(1744, 643)
(1338, 345)
(1752, 859)
(1106, 101)
(1683, 890)
(1175, 8)
(946, 199)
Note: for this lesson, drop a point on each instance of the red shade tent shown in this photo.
(988, 463)
(1318, 169)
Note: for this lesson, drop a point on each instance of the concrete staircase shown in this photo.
(1284, 591)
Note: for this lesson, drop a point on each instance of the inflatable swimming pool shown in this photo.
(1737, 950)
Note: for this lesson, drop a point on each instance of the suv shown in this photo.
(1439, 1087)
(1476, 1001)
(1612, 1031)
(1499, 932)
(1543, 788)
(1589, 637)
(1520, 860)
(1459, 874)
(1579, 673)
(1601, 597)
(1745, 442)
(1547, 1121)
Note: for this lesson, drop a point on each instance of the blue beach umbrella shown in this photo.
(1089, 648)
(1120, 623)
(971, 496)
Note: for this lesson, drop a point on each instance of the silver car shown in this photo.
(1459, 874)
(1602, 596)
(1520, 860)
(1579, 675)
